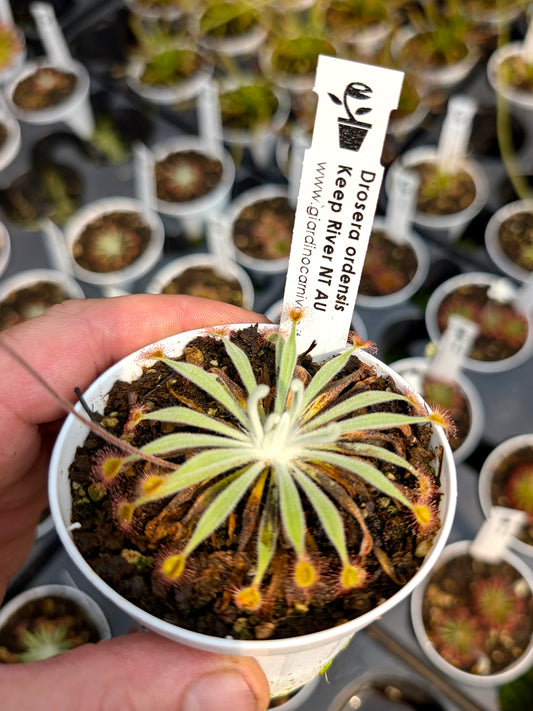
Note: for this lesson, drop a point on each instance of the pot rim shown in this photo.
(486, 473)
(97, 208)
(521, 665)
(59, 496)
(492, 244)
(515, 96)
(475, 404)
(28, 277)
(84, 601)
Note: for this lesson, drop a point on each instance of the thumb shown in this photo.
(136, 672)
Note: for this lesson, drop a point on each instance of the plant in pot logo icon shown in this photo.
(352, 131)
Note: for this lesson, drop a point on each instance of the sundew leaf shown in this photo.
(221, 507)
(371, 450)
(198, 470)
(242, 364)
(286, 371)
(185, 416)
(325, 374)
(366, 471)
(267, 538)
(326, 511)
(380, 421)
(210, 384)
(356, 402)
(291, 510)
(188, 440)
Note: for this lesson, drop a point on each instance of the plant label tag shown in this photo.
(454, 346)
(455, 132)
(144, 176)
(339, 188)
(209, 118)
(496, 533)
(401, 205)
(51, 34)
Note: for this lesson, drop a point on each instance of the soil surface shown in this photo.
(263, 230)
(47, 86)
(204, 281)
(202, 599)
(389, 266)
(186, 175)
(27, 302)
(442, 193)
(506, 489)
(473, 629)
(515, 237)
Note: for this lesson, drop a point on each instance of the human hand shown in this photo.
(70, 345)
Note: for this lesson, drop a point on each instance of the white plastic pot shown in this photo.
(5, 248)
(453, 224)
(138, 268)
(521, 666)
(177, 266)
(517, 97)
(288, 663)
(192, 214)
(491, 464)
(413, 371)
(92, 611)
(11, 145)
(30, 277)
(166, 13)
(261, 142)
(75, 110)
(398, 297)
(168, 94)
(243, 45)
(492, 243)
(258, 267)
(480, 278)
(431, 78)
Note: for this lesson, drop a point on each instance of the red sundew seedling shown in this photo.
(519, 488)
(457, 636)
(496, 601)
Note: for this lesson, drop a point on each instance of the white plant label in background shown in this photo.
(209, 118)
(51, 34)
(454, 346)
(455, 133)
(339, 188)
(496, 533)
(401, 205)
(144, 176)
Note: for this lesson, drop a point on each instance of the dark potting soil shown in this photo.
(111, 241)
(263, 229)
(388, 267)
(512, 486)
(186, 175)
(47, 86)
(515, 238)
(202, 600)
(205, 282)
(443, 194)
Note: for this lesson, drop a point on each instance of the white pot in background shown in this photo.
(453, 224)
(192, 214)
(82, 600)
(433, 78)
(516, 97)
(75, 110)
(288, 663)
(260, 141)
(5, 248)
(200, 259)
(492, 243)
(522, 664)
(413, 371)
(489, 468)
(140, 266)
(481, 279)
(422, 255)
(11, 145)
(258, 267)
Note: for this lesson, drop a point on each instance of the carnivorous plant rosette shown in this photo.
(282, 486)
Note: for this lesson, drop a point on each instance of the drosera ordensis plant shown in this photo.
(275, 455)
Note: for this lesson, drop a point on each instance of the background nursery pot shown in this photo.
(164, 277)
(112, 242)
(55, 627)
(488, 679)
(509, 239)
(289, 662)
(506, 479)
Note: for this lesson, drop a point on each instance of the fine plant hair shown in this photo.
(270, 457)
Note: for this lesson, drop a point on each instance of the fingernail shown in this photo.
(219, 691)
